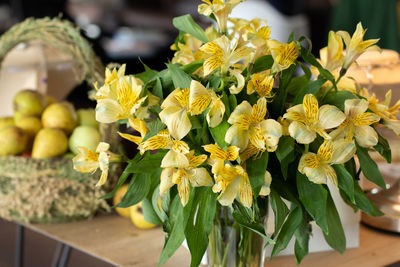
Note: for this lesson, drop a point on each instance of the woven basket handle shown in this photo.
(60, 34)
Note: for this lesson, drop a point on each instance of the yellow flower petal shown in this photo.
(259, 110)
(271, 131)
(265, 189)
(199, 98)
(229, 194)
(245, 192)
(325, 151)
(108, 111)
(184, 190)
(311, 109)
(366, 118)
(217, 153)
(355, 107)
(177, 121)
(330, 117)
(301, 133)
(236, 89)
(166, 180)
(200, 177)
(241, 115)
(343, 151)
(365, 136)
(216, 113)
(237, 137)
(132, 138)
(174, 160)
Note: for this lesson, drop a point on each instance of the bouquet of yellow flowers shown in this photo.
(228, 126)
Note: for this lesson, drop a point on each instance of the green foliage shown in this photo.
(186, 24)
(256, 170)
(335, 236)
(369, 167)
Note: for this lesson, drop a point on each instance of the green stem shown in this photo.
(306, 147)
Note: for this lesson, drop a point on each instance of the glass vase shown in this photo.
(232, 245)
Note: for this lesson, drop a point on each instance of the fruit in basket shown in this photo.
(6, 121)
(125, 212)
(13, 141)
(137, 217)
(49, 143)
(60, 116)
(86, 136)
(29, 103)
(87, 117)
(31, 125)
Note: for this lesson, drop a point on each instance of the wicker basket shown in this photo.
(50, 190)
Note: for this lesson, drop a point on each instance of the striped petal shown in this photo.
(199, 98)
(330, 117)
(200, 177)
(174, 159)
(108, 111)
(177, 121)
(166, 180)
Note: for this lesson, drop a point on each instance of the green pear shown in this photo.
(87, 117)
(60, 116)
(29, 103)
(13, 141)
(85, 136)
(49, 143)
(6, 121)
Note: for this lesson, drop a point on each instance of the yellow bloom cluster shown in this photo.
(213, 104)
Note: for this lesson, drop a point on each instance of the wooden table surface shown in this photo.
(115, 240)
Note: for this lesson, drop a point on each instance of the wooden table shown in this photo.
(115, 240)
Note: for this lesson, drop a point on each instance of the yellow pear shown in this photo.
(29, 103)
(137, 217)
(31, 126)
(125, 212)
(60, 116)
(49, 143)
(13, 141)
(6, 121)
(86, 136)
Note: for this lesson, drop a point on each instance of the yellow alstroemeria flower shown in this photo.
(308, 119)
(113, 75)
(232, 182)
(220, 9)
(121, 102)
(284, 55)
(248, 124)
(193, 101)
(317, 167)
(385, 111)
(183, 174)
(222, 55)
(231, 153)
(89, 161)
(143, 111)
(262, 83)
(355, 46)
(332, 56)
(163, 140)
(140, 126)
(357, 123)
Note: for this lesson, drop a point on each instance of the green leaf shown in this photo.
(335, 236)
(149, 213)
(369, 167)
(285, 153)
(337, 98)
(225, 100)
(313, 196)
(345, 181)
(309, 58)
(256, 171)
(147, 75)
(177, 235)
(157, 209)
(157, 88)
(383, 148)
(196, 124)
(278, 103)
(263, 63)
(306, 70)
(154, 128)
(186, 24)
(180, 78)
(302, 235)
(218, 133)
(297, 84)
(192, 66)
(200, 222)
(292, 222)
(311, 88)
(123, 178)
(138, 188)
(232, 102)
(364, 203)
(147, 163)
(256, 227)
(280, 210)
